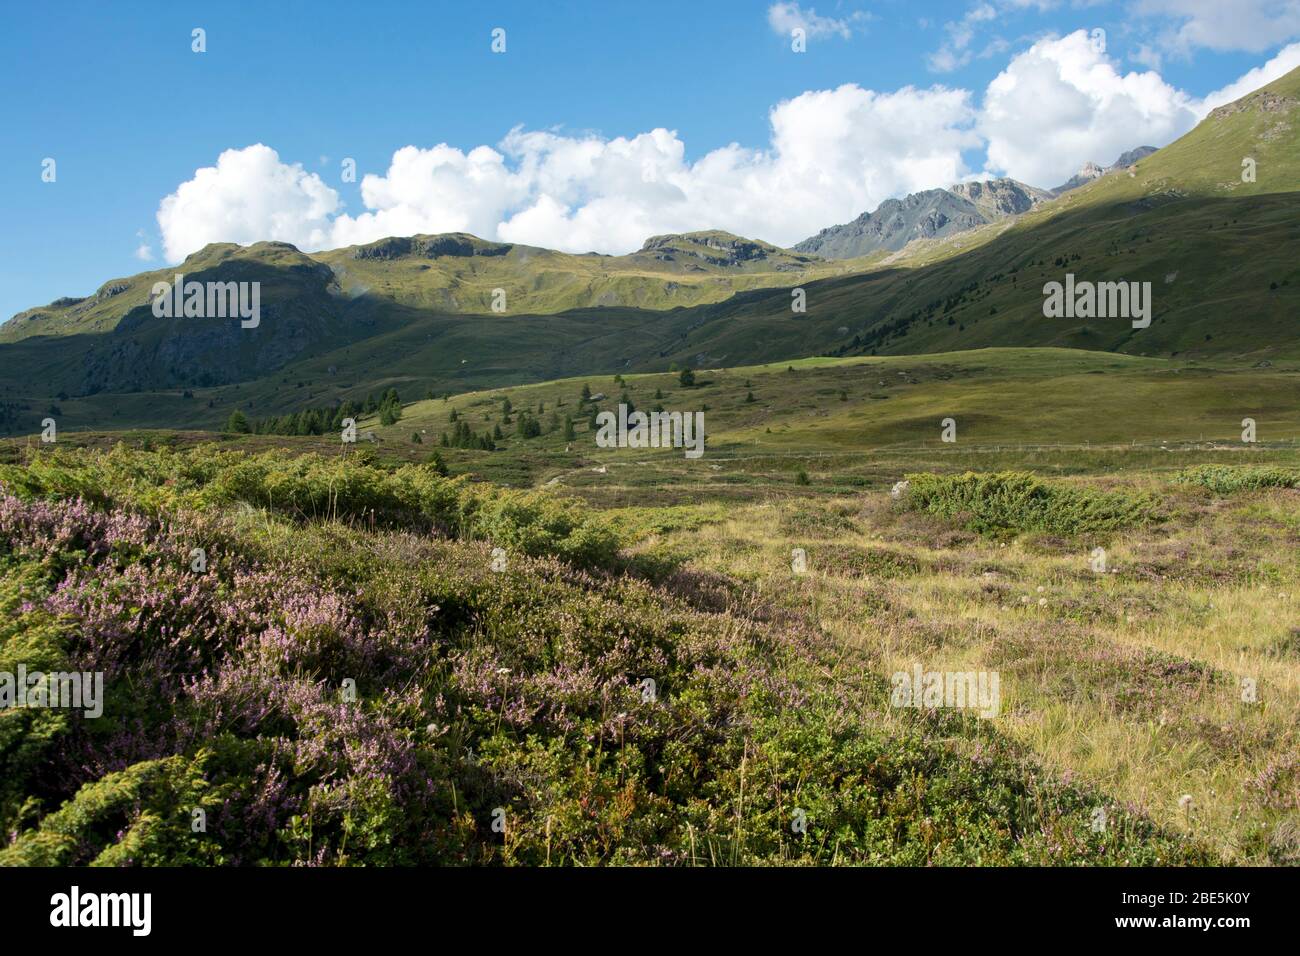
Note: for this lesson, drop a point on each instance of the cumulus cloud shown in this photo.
(1250, 25)
(1062, 102)
(785, 17)
(247, 197)
(832, 154)
(1286, 61)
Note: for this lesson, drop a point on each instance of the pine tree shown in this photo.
(435, 462)
(238, 423)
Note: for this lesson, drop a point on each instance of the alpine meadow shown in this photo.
(787, 473)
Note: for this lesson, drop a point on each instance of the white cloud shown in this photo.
(441, 189)
(832, 154)
(143, 252)
(1062, 103)
(1286, 60)
(955, 50)
(1250, 25)
(1148, 56)
(247, 197)
(784, 17)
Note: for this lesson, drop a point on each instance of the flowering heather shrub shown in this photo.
(307, 487)
(1020, 502)
(1277, 785)
(327, 694)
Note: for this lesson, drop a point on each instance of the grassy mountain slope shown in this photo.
(458, 274)
(853, 419)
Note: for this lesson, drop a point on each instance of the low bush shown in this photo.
(314, 487)
(1017, 502)
(1226, 479)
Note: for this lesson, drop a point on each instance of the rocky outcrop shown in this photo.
(931, 214)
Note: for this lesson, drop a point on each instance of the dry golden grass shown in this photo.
(1130, 681)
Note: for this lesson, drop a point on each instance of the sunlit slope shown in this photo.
(459, 273)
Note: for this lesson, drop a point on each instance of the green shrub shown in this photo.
(1226, 479)
(1021, 502)
(140, 815)
(314, 487)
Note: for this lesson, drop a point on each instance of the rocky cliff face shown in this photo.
(934, 213)
(997, 198)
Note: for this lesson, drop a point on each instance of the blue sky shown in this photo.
(115, 95)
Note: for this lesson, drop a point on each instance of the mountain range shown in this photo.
(933, 213)
(936, 213)
(954, 269)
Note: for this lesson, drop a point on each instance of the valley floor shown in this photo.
(1118, 559)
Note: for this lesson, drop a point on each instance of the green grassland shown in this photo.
(847, 421)
(412, 693)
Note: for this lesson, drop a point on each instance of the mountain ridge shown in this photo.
(938, 213)
(1090, 170)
